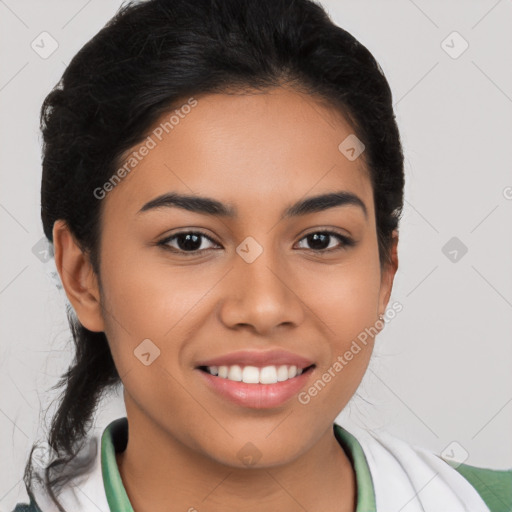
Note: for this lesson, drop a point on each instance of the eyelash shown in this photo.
(346, 242)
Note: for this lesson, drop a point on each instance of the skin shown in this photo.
(259, 153)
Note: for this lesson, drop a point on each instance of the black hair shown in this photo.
(146, 61)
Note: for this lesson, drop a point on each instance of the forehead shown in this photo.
(257, 150)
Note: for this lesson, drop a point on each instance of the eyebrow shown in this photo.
(209, 206)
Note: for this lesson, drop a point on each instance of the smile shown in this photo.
(254, 387)
(255, 375)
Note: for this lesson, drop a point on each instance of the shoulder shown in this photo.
(80, 479)
(400, 469)
(493, 485)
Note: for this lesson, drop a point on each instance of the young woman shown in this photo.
(222, 186)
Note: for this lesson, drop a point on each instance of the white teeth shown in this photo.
(235, 373)
(282, 373)
(268, 375)
(255, 375)
(251, 375)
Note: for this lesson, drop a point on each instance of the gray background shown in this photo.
(442, 368)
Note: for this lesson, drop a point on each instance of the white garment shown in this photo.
(409, 478)
(82, 494)
(406, 478)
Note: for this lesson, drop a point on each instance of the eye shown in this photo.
(320, 241)
(187, 242)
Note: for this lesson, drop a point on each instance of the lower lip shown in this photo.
(257, 396)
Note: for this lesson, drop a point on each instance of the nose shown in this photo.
(263, 295)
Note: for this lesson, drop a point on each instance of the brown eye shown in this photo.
(186, 242)
(321, 241)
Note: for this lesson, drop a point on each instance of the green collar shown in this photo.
(115, 438)
(365, 492)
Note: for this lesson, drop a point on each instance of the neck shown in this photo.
(157, 469)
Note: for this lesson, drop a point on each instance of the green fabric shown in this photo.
(118, 501)
(493, 485)
(114, 439)
(365, 492)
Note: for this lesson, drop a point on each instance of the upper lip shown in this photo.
(258, 358)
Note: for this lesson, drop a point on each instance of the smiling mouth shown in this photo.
(248, 374)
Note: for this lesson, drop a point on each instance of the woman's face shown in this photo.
(253, 282)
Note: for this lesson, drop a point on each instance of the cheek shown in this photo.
(345, 296)
(146, 293)
(344, 301)
(147, 299)
(144, 297)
